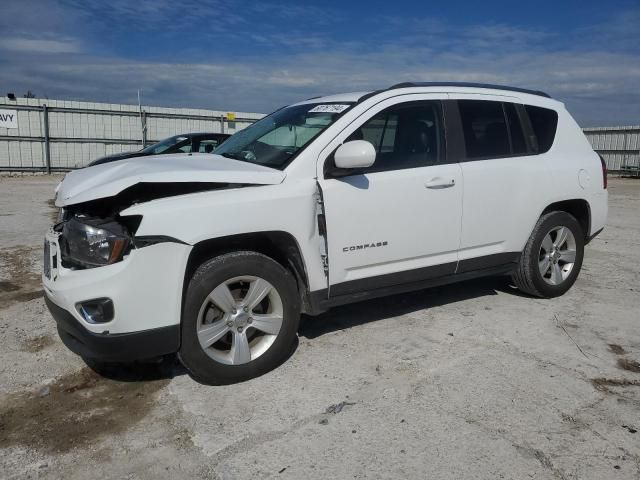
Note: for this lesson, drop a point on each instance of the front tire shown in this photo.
(552, 258)
(240, 318)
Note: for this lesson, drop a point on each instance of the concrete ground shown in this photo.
(468, 381)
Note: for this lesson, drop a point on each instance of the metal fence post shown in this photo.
(221, 123)
(47, 145)
(144, 128)
(626, 146)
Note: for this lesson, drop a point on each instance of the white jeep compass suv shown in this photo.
(332, 200)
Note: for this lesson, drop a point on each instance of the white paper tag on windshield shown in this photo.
(329, 108)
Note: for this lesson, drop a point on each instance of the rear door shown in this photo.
(503, 181)
(397, 222)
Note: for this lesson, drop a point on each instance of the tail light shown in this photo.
(604, 172)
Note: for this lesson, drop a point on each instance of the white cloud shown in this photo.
(34, 45)
(597, 86)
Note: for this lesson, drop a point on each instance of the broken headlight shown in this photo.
(88, 242)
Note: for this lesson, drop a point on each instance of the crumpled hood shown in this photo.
(109, 179)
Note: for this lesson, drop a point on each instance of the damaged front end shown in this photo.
(92, 230)
(94, 234)
(130, 308)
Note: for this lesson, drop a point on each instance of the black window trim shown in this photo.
(507, 124)
(529, 135)
(331, 171)
(454, 136)
(519, 108)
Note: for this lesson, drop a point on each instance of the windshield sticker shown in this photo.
(329, 108)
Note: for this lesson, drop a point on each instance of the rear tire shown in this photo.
(240, 318)
(552, 258)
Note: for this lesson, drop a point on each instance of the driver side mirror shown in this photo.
(355, 154)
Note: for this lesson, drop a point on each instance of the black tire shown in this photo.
(527, 276)
(208, 276)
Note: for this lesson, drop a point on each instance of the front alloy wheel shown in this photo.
(240, 318)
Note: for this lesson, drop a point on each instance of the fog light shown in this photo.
(99, 310)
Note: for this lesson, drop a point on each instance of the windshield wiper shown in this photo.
(233, 156)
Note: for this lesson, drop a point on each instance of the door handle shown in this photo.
(439, 183)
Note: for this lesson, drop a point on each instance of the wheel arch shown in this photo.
(578, 208)
(279, 245)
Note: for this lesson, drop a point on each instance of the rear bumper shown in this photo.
(599, 209)
(118, 347)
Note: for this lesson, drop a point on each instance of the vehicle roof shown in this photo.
(470, 85)
(340, 97)
(449, 87)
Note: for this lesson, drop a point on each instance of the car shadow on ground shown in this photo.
(338, 318)
(352, 315)
(162, 368)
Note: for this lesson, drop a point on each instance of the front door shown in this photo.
(399, 220)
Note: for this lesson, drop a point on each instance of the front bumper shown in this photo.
(119, 347)
(146, 291)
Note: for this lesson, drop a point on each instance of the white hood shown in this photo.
(109, 179)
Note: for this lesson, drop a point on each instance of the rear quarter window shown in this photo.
(544, 123)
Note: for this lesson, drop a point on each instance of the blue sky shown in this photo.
(258, 56)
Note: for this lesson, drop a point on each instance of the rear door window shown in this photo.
(485, 129)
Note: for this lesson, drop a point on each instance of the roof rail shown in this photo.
(468, 84)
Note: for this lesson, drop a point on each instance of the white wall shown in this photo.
(619, 146)
(97, 129)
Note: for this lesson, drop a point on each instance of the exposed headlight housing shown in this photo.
(88, 242)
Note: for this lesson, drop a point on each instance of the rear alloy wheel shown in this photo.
(557, 255)
(240, 318)
(552, 258)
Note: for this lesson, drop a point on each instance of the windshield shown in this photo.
(176, 144)
(275, 139)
